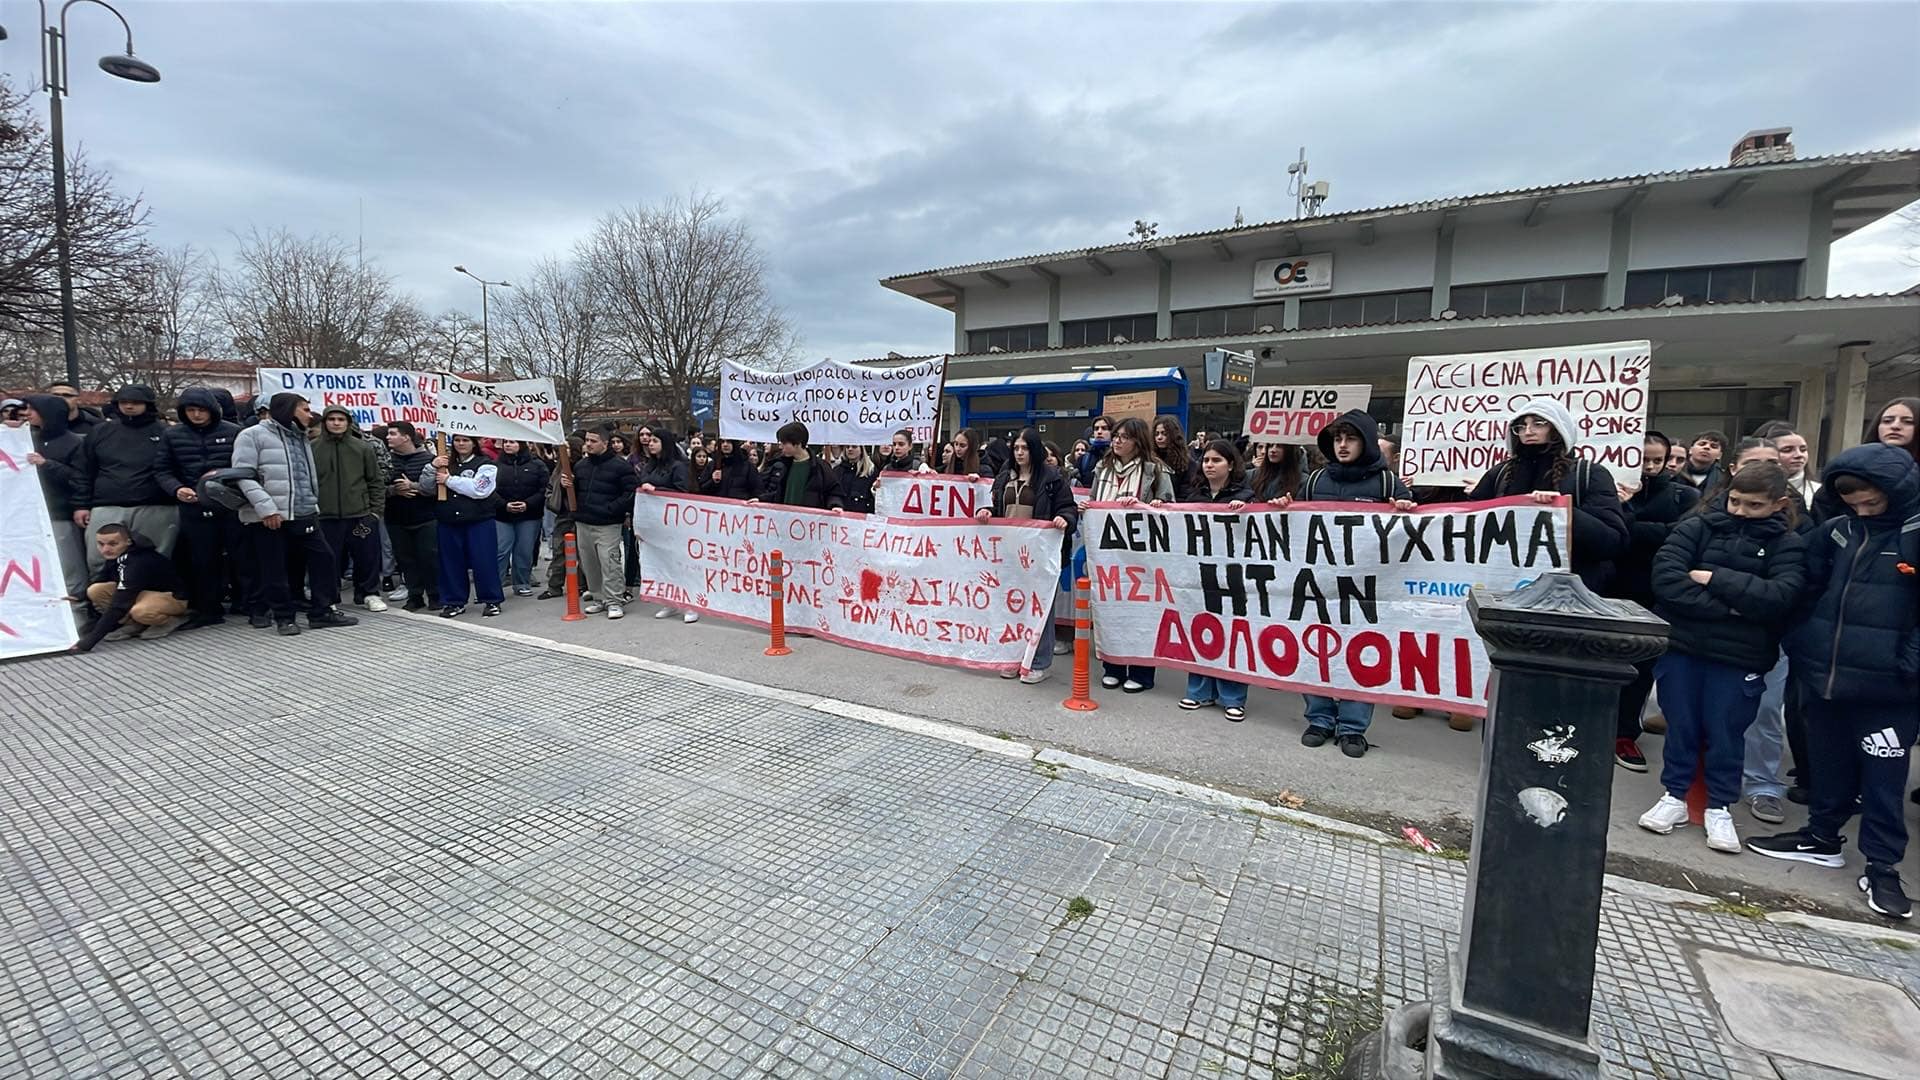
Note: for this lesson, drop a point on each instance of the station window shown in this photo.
(1373, 308)
(1008, 338)
(1715, 284)
(1220, 322)
(1543, 297)
(1103, 330)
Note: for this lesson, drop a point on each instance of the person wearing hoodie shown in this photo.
(282, 519)
(353, 496)
(1856, 657)
(136, 589)
(522, 483)
(468, 537)
(1543, 443)
(199, 444)
(412, 516)
(733, 475)
(1355, 472)
(1653, 511)
(81, 420)
(119, 476)
(56, 454)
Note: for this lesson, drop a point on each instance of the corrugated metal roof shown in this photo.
(1450, 202)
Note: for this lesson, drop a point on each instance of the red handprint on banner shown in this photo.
(1026, 559)
(989, 579)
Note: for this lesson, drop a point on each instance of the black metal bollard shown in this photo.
(1519, 994)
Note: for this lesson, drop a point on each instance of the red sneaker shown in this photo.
(1626, 754)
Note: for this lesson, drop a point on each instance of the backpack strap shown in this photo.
(1313, 478)
(1583, 472)
(1386, 485)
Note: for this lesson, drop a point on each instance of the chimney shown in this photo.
(1763, 146)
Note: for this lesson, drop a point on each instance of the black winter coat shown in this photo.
(520, 477)
(856, 491)
(665, 475)
(408, 511)
(1229, 494)
(1859, 640)
(822, 491)
(1739, 616)
(1052, 498)
(603, 486)
(61, 449)
(1599, 525)
(1654, 510)
(186, 452)
(738, 478)
(1366, 480)
(120, 465)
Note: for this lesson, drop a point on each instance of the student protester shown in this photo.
(1355, 472)
(564, 522)
(520, 480)
(1277, 473)
(136, 589)
(1170, 446)
(1225, 481)
(353, 496)
(1543, 441)
(1782, 699)
(81, 420)
(663, 469)
(964, 460)
(1727, 581)
(1892, 425)
(603, 483)
(1653, 511)
(1028, 489)
(1677, 460)
(757, 458)
(733, 474)
(467, 533)
(796, 478)
(1098, 440)
(413, 516)
(900, 455)
(1129, 473)
(1054, 460)
(56, 454)
(993, 458)
(699, 463)
(1854, 658)
(282, 518)
(855, 474)
(118, 478)
(1701, 468)
(1793, 458)
(200, 443)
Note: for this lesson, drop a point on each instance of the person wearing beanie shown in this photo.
(119, 476)
(282, 518)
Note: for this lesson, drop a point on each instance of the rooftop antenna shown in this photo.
(1307, 195)
(1239, 218)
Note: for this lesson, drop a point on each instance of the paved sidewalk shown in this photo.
(413, 849)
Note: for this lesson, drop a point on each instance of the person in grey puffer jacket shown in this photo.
(282, 515)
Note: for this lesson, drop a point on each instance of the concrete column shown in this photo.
(1809, 408)
(1619, 247)
(1813, 272)
(1290, 313)
(959, 322)
(1163, 325)
(1054, 336)
(1849, 399)
(1442, 271)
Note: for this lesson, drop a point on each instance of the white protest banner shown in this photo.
(1327, 598)
(524, 409)
(839, 403)
(930, 495)
(34, 614)
(970, 594)
(1295, 414)
(372, 396)
(1458, 407)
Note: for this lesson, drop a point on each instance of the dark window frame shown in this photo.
(1516, 292)
(1079, 332)
(1731, 283)
(1020, 337)
(1328, 312)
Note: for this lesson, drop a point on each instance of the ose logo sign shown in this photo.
(1294, 275)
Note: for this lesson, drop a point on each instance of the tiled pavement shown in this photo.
(410, 850)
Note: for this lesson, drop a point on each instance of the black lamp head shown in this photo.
(131, 68)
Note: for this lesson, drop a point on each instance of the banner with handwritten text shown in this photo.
(35, 616)
(839, 403)
(1459, 407)
(1296, 413)
(930, 495)
(1325, 598)
(970, 594)
(524, 409)
(371, 396)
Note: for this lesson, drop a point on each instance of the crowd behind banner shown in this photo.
(1792, 591)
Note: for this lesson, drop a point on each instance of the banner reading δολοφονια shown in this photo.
(839, 403)
(1336, 599)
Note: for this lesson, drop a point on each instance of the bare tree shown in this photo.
(678, 288)
(449, 341)
(175, 319)
(546, 329)
(294, 301)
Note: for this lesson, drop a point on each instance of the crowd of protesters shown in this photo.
(1793, 600)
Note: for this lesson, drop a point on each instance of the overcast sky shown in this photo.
(862, 140)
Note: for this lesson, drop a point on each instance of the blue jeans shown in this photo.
(1043, 651)
(519, 544)
(1766, 739)
(470, 547)
(1709, 706)
(1338, 715)
(1205, 689)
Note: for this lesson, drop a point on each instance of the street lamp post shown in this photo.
(486, 330)
(53, 79)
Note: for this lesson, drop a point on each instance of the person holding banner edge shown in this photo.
(1128, 473)
(522, 484)
(468, 539)
(1224, 481)
(1542, 441)
(1029, 489)
(662, 468)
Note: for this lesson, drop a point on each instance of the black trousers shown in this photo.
(202, 553)
(356, 544)
(416, 552)
(557, 566)
(274, 550)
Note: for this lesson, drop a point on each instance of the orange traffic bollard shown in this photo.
(778, 646)
(574, 614)
(1082, 699)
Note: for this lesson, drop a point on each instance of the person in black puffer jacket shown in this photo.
(664, 469)
(855, 474)
(1029, 489)
(1222, 482)
(1652, 512)
(731, 476)
(412, 516)
(56, 453)
(1856, 657)
(1544, 463)
(118, 478)
(1727, 581)
(603, 483)
(209, 534)
(797, 478)
(521, 483)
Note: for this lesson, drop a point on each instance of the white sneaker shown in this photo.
(398, 595)
(592, 607)
(1667, 815)
(615, 611)
(663, 613)
(690, 617)
(1010, 673)
(1721, 835)
(375, 603)
(1031, 677)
